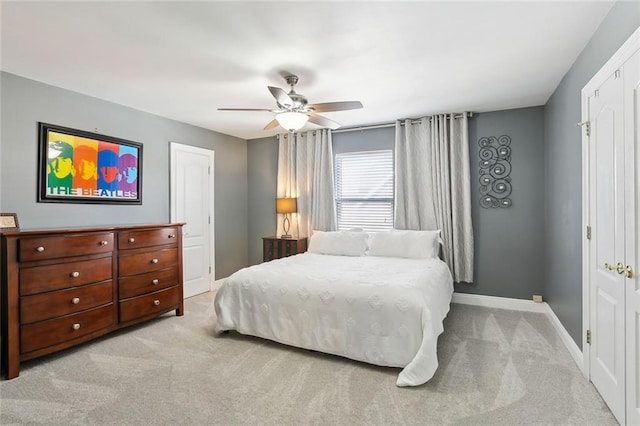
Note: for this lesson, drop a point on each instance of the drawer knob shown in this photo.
(76, 326)
(40, 249)
(75, 274)
(155, 282)
(104, 243)
(154, 260)
(132, 240)
(75, 300)
(172, 235)
(156, 302)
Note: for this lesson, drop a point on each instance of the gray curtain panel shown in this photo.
(433, 187)
(305, 171)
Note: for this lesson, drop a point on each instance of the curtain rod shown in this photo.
(383, 125)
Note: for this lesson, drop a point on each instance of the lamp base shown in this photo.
(285, 227)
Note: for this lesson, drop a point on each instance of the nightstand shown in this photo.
(276, 247)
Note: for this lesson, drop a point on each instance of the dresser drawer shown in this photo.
(148, 261)
(147, 238)
(40, 248)
(54, 304)
(136, 285)
(41, 279)
(48, 333)
(141, 306)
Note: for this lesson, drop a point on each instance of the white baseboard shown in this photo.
(498, 302)
(528, 306)
(569, 343)
(216, 284)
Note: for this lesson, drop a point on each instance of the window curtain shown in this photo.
(305, 171)
(433, 186)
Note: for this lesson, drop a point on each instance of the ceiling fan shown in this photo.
(294, 111)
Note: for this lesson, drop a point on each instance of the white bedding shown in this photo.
(380, 310)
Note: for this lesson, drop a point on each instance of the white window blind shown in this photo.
(364, 190)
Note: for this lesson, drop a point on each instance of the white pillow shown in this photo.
(408, 244)
(340, 243)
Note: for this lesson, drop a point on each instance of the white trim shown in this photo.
(527, 306)
(616, 61)
(586, 246)
(568, 341)
(499, 302)
(217, 284)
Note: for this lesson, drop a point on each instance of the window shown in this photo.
(364, 190)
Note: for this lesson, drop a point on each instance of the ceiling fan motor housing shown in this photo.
(299, 102)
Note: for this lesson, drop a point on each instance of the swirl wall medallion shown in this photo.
(495, 167)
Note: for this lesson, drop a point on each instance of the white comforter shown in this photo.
(380, 310)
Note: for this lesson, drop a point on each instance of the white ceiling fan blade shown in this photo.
(246, 109)
(336, 106)
(281, 96)
(323, 121)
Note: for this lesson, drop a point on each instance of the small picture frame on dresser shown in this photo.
(9, 222)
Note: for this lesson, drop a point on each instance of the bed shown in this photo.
(366, 303)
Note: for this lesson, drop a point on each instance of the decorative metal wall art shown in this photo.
(495, 167)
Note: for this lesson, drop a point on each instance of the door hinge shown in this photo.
(209, 170)
(209, 220)
(209, 270)
(588, 337)
(588, 232)
(587, 127)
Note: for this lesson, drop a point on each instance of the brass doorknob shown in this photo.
(620, 268)
(629, 271)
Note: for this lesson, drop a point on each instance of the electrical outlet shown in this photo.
(537, 298)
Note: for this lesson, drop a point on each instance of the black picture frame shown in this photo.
(75, 166)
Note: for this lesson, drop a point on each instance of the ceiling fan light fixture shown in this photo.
(291, 120)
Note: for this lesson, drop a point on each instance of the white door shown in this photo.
(606, 199)
(611, 104)
(631, 77)
(192, 203)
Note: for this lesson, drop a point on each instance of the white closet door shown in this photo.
(607, 219)
(630, 74)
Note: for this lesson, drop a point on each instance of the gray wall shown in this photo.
(509, 242)
(262, 164)
(26, 102)
(563, 147)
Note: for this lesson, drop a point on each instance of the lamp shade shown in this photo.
(286, 205)
(292, 121)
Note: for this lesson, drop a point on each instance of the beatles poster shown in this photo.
(84, 167)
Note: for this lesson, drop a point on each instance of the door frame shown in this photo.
(628, 48)
(173, 147)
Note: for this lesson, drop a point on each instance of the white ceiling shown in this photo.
(183, 60)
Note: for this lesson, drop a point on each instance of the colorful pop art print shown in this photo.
(84, 167)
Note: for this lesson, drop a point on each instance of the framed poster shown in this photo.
(83, 167)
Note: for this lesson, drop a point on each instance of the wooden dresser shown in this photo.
(276, 247)
(64, 287)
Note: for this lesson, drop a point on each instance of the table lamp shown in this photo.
(286, 206)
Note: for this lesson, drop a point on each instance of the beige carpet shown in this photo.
(496, 367)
